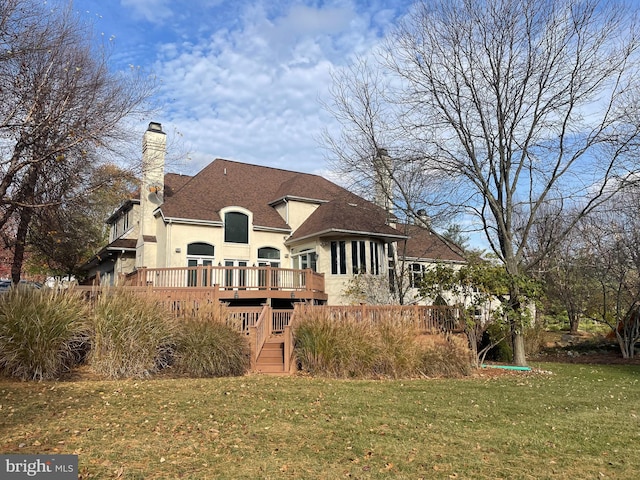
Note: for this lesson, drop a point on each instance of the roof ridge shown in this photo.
(263, 166)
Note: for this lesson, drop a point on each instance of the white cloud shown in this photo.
(154, 11)
(242, 80)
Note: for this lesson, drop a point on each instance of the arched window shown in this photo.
(200, 249)
(268, 253)
(236, 227)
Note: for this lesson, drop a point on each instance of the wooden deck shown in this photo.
(232, 283)
(265, 325)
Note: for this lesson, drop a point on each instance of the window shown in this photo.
(338, 258)
(236, 227)
(199, 254)
(125, 221)
(268, 256)
(416, 273)
(374, 248)
(306, 259)
(358, 257)
(268, 253)
(200, 249)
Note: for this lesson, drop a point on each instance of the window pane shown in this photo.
(334, 258)
(354, 257)
(269, 253)
(200, 249)
(236, 228)
(343, 257)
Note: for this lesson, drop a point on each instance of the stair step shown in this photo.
(270, 369)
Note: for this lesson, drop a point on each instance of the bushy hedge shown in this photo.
(43, 333)
(353, 349)
(207, 347)
(131, 335)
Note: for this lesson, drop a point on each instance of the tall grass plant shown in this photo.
(208, 346)
(387, 348)
(43, 332)
(132, 335)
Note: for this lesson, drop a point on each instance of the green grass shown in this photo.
(580, 422)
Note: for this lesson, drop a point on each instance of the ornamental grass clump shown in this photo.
(444, 356)
(207, 346)
(399, 354)
(350, 348)
(43, 332)
(131, 335)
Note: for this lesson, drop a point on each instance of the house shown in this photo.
(420, 250)
(255, 234)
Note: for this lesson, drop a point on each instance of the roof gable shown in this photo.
(340, 216)
(424, 244)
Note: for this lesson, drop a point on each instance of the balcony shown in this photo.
(229, 283)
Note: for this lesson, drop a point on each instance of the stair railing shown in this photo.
(259, 333)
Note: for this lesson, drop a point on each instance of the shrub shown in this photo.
(208, 347)
(502, 351)
(42, 332)
(399, 352)
(315, 344)
(131, 335)
(326, 347)
(445, 356)
(534, 338)
(388, 348)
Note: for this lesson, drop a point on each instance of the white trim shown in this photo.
(346, 232)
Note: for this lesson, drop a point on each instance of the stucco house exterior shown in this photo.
(255, 230)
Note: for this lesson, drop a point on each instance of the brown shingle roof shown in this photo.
(424, 244)
(225, 183)
(339, 216)
(174, 182)
(122, 243)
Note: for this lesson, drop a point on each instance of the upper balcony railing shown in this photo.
(229, 278)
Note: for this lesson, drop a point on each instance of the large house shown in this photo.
(256, 234)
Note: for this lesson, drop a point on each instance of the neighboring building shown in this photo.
(243, 219)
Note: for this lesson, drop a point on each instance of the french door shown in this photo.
(235, 277)
(192, 276)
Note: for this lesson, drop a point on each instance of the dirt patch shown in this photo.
(595, 357)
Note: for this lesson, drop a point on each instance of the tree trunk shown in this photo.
(517, 326)
(519, 355)
(574, 322)
(19, 248)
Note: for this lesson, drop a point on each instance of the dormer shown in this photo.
(124, 221)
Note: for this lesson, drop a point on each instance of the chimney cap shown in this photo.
(155, 127)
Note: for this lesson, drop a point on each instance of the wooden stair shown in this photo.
(271, 358)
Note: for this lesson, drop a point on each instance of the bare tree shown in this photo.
(504, 107)
(62, 112)
(565, 271)
(614, 239)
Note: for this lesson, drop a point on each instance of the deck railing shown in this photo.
(424, 318)
(228, 278)
(259, 333)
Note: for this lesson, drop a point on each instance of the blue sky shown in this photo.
(242, 80)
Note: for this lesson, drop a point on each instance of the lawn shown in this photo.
(580, 421)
